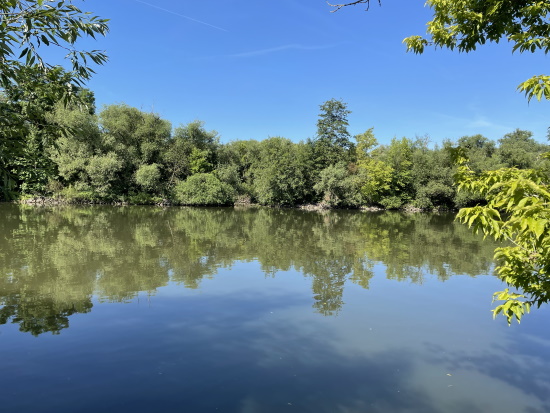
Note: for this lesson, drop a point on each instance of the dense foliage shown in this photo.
(31, 86)
(517, 212)
(28, 25)
(124, 154)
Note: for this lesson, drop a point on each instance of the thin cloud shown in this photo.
(474, 123)
(182, 15)
(280, 49)
(482, 123)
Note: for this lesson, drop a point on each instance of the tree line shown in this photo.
(123, 154)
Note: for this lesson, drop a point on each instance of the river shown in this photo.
(254, 310)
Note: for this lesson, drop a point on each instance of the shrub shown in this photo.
(103, 170)
(143, 198)
(203, 189)
(434, 194)
(148, 176)
(391, 202)
(78, 193)
(338, 188)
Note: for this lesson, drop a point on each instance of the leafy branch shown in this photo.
(27, 25)
(518, 213)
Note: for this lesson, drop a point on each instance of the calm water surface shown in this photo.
(257, 311)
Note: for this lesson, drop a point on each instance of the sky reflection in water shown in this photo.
(206, 310)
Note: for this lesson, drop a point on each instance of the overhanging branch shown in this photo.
(353, 3)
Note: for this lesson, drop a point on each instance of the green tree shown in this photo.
(432, 176)
(481, 152)
(74, 150)
(398, 155)
(133, 137)
(333, 141)
(34, 131)
(281, 172)
(191, 149)
(235, 165)
(104, 171)
(204, 189)
(339, 187)
(519, 150)
(375, 174)
(198, 161)
(148, 176)
(483, 155)
(26, 26)
(388, 173)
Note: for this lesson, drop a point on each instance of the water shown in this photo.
(257, 310)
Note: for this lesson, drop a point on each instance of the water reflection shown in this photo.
(54, 261)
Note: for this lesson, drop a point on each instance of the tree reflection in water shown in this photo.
(53, 261)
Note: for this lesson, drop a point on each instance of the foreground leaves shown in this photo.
(518, 213)
(25, 26)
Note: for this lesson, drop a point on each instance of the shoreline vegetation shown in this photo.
(125, 156)
(165, 203)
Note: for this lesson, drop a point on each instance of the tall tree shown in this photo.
(332, 142)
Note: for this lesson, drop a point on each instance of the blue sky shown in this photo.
(251, 69)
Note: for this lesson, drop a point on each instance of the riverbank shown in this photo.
(242, 203)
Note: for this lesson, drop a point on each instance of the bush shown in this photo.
(280, 173)
(78, 194)
(143, 198)
(391, 202)
(338, 188)
(204, 189)
(229, 174)
(103, 171)
(434, 194)
(465, 199)
(148, 176)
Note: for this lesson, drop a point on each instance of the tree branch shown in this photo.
(353, 3)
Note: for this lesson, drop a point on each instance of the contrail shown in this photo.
(281, 48)
(181, 15)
